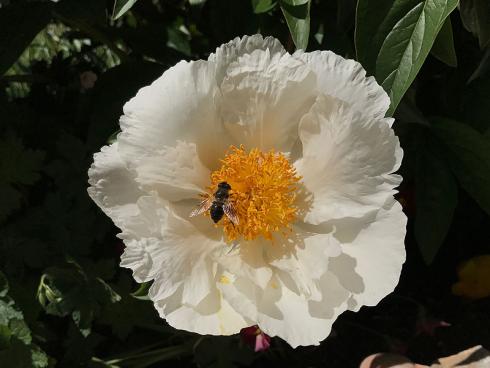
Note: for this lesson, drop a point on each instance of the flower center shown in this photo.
(263, 192)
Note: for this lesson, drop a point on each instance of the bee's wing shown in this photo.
(202, 207)
(230, 212)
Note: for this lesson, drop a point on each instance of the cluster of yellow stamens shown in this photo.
(263, 192)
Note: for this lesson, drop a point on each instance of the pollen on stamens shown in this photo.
(263, 192)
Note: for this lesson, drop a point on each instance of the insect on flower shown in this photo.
(218, 205)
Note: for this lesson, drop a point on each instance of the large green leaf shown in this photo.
(468, 154)
(407, 45)
(297, 15)
(19, 23)
(443, 48)
(374, 21)
(263, 6)
(121, 7)
(436, 196)
(393, 38)
(475, 15)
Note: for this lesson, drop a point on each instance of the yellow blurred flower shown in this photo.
(474, 278)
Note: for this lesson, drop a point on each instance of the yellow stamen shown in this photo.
(224, 280)
(263, 192)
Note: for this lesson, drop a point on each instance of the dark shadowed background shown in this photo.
(67, 68)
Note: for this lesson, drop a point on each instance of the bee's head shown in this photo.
(224, 185)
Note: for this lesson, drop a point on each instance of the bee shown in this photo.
(218, 205)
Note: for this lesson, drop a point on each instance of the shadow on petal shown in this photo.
(209, 305)
(333, 296)
(344, 267)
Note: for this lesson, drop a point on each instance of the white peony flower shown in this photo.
(303, 142)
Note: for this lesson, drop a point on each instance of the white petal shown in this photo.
(264, 96)
(213, 316)
(142, 235)
(373, 252)
(301, 260)
(176, 173)
(246, 260)
(143, 257)
(180, 105)
(280, 312)
(347, 161)
(347, 81)
(231, 51)
(177, 106)
(112, 186)
(185, 258)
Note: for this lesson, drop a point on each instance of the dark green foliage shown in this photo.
(469, 156)
(18, 167)
(65, 302)
(71, 291)
(16, 347)
(475, 15)
(443, 48)
(20, 22)
(437, 196)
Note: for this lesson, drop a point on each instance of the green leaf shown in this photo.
(113, 137)
(69, 291)
(475, 108)
(4, 285)
(468, 154)
(13, 319)
(407, 45)
(142, 292)
(10, 200)
(297, 15)
(39, 357)
(223, 352)
(178, 39)
(129, 312)
(374, 21)
(20, 22)
(436, 199)
(196, 2)
(19, 355)
(443, 48)
(16, 349)
(263, 6)
(483, 67)
(121, 7)
(475, 15)
(296, 2)
(17, 164)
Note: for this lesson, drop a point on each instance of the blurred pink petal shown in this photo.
(475, 357)
(254, 337)
(88, 79)
(388, 360)
(262, 342)
(429, 326)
